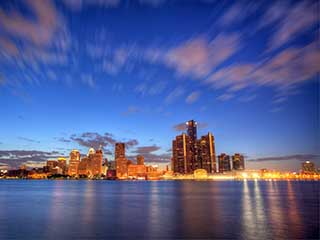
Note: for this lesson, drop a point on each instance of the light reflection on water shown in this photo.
(171, 209)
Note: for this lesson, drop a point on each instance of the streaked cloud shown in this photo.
(150, 156)
(192, 97)
(39, 31)
(284, 71)
(15, 158)
(174, 94)
(28, 140)
(225, 96)
(199, 56)
(300, 157)
(291, 21)
(88, 80)
(131, 110)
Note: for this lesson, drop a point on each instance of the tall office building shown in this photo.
(224, 163)
(74, 162)
(119, 150)
(308, 167)
(91, 165)
(121, 161)
(51, 164)
(237, 162)
(140, 160)
(95, 162)
(182, 155)
(206, 153)
(192, 133)
(192, 130)
(189, 154)
(62, 164)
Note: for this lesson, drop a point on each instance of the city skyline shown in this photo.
(79, 74)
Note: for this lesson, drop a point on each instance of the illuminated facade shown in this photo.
(96, 163)
(121, 161)
(206, 153)
(62, 164)
(308, 167)
(140, 160)
(51, 164)
(237, 162)
(91, 165)
(182, 155)
(120, 151)
(136, 171)
(224, 163)
(189, 154)
(74, 162)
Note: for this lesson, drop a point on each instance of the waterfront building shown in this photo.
(140, 160)
(193, 163)
(224, 163)
(206, 153)
(111, 165)
(137, 171)
(74, 162)
(121, 161)
(51, 164)
(83, 167)
(62, 164)
(182, 155)
(91, 165)
(238, 162)
(189, 153)
(308, 167)
(95, 162)
(120, 151)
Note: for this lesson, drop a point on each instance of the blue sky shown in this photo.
(79, 73)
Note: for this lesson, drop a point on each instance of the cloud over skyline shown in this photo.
(88, 67)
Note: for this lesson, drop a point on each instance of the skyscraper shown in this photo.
(91, 165)
(192, 133)
(74, 162)
(182, 155)
(237, 162)
(224, 163)
(119, 150)
(189, 154)
(95, 162)
(121, 161)
(308, 167)
(62, 163)
(140, 160)
(192, 130)
(206, 153)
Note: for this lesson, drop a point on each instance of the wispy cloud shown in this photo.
(192, 97)
(199, 56)
(225, 97)
(97, 140)
(291, 21)
(14, 158)
(150, 156)
(131, 110)
(300, 157)
(88, 80)
(28, 139)
(284, 71)
(41, 31)
(173, 95)
(150, 89)
(77, 5)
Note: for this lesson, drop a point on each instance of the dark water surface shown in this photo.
(160, 209)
